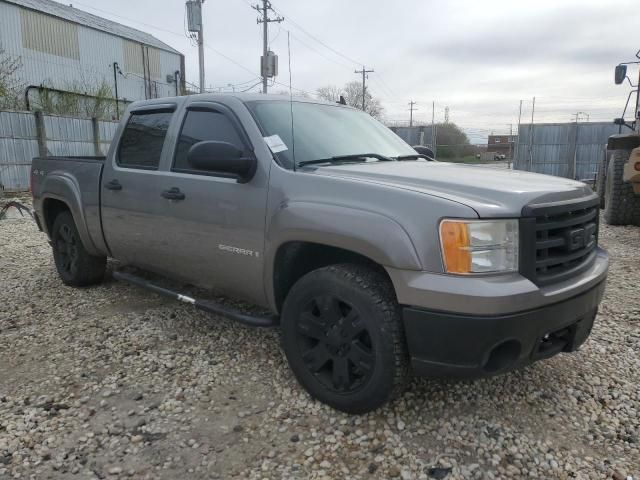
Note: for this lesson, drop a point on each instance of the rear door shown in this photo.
(214, 228)
(131, 186)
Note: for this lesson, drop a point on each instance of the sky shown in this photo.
(478, 58)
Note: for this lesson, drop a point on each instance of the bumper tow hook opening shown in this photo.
(555, 342)
(503, 356)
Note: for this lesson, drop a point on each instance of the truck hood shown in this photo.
(491, 192)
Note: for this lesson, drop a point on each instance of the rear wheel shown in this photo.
(621, 205)
(343, 337)
(74, 264)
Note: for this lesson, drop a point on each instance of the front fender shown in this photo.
(62, 186)
(375, 236)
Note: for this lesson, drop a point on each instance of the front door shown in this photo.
(213, 226)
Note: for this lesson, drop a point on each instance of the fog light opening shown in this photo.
(503, 356)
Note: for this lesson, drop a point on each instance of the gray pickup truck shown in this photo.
(374, 260)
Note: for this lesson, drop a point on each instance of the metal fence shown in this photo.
(418, 135)
(24, 135)
(571, 150)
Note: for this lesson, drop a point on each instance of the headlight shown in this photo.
(479, 246)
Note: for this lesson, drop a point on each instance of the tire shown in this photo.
(343, 337)
(601, 181)
(622, 205)
(75, 266)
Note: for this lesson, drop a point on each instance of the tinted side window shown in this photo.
(200, 126)
(142, 140)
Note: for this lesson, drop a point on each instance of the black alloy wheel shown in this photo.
(342, 334)
(76, 267)
(66, 244)
(335, 344)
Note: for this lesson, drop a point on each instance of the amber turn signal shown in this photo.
(455, 246)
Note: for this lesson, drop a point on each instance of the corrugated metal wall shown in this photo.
(18, 145)
(64, 136)
(69, 136)
(49, 35)
(84, 58)
(420, 135)
(107, 132)
(571, 150)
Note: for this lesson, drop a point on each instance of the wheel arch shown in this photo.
(294, 259)
(320, 234)
(53, 205)
(623, 141)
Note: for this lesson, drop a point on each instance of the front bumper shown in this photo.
(465, 345)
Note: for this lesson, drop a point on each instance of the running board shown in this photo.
(211, 307)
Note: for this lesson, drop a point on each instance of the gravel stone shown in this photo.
(115, 382)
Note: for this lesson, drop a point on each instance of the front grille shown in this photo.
(558, 240)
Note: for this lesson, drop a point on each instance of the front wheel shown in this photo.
(343, 337)
(621, 205)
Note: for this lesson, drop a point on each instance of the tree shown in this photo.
(352, 93)
(80, 98)
(296, 93)
(452, 141)
(330, 93)
(10, 86)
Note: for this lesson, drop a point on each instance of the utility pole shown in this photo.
(411, 109)
(364, 72)
(265, 20)
(577, 114)
(194, 18)
(116, 68)
(201, 50)
(510, 145)
(518, 132)
(433, 127)
(533, 111)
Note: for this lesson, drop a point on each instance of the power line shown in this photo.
(297, 25)
(181, 35)
(320, 53)
(379, 77)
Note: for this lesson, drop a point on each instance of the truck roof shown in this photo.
(243, 97)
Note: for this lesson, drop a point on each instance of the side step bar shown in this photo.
(211, 307)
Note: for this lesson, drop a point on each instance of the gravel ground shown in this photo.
(115, 382)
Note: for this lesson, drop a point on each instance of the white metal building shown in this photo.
(66, 48)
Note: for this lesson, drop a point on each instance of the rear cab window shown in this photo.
(143, 139)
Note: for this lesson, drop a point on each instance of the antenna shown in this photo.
(293, 139)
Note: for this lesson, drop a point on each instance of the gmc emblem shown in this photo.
(578, 238)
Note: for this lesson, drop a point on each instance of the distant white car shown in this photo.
(499, 156)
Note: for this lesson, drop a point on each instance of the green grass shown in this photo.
(467, 159)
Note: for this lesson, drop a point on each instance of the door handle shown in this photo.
(113, 185)
(173, 193)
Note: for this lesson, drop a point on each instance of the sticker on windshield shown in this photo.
(275, 143)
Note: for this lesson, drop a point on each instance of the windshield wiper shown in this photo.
(414, 156)
(340, 158)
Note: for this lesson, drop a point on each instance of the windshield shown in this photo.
(324, 131)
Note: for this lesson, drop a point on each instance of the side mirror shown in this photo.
(618, 121)
(422, 150)
(621, 74)
(222, 157)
